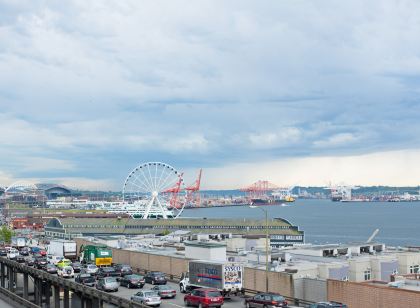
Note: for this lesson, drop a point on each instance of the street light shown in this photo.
(266, 243)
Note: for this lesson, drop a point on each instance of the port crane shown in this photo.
(193, 197)
(174, 193)
(259, 189)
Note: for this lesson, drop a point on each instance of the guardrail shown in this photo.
(14, 299)
(70, 285)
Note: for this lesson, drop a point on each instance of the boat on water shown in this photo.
(275, 198)
(137, 209)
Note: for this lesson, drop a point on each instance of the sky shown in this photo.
(295, 92)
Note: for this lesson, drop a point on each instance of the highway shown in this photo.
(178, 301)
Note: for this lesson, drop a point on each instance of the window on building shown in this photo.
(414, 269)
(367, 275)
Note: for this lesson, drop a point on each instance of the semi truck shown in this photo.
(227, 277)
(100, 255)
(63, 248)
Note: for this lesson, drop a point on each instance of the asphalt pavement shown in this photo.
(178, 301)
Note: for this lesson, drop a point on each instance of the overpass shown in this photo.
(47, 289)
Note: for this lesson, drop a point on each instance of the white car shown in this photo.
(65, 272)
(12, 253)
(54, 259)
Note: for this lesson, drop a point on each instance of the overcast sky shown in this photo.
(296, 92)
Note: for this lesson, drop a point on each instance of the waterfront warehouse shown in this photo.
(281, 231)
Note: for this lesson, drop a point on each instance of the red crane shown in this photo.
(193, 198)
(174, 191)
(259, 189)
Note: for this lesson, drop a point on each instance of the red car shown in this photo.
(43, 253)
(266, 300)
(204, 297)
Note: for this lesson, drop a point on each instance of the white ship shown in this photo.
(135, 210)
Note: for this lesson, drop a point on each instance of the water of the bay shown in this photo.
(325, 221)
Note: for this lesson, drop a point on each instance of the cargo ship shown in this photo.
(275, 198)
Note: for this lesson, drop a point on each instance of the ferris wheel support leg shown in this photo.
(149, 206)
(162, 209)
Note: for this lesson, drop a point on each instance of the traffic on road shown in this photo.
(152, 289)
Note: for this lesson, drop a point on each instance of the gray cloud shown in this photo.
(207, 83)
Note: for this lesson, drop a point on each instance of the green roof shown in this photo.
(195, 225)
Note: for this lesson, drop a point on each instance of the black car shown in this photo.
(155, 278)
(123, 269)
(3, 252)
(265, 300)
(51, 269)
(40, 263)
(20, 259)
(132, 281)
(328, 305)
(24, 251)
(29, 261)
(107, 272)
(77, 266)
(86, 279)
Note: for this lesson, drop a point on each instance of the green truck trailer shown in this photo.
(100, 255)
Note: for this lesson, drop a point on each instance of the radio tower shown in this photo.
(193, 198)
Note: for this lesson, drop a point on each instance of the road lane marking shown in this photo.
(176, 305)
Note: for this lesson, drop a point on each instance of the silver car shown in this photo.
(147, 297)
(89, 269)
(107, 284)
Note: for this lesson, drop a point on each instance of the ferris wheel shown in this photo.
(154, 189)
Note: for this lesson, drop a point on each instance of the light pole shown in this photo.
(266, 243)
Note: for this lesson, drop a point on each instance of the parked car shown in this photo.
(155, 278)
(107, 284)
(86, 279)
(107, 272)
(265, 300)
(328, 305)
(132, 281)
(40, 262)
(51, 269)
(77, 266)
(29, 261)
(147, 297)
(65, 272)
(164, 291)
(204, 297)
(89, 269)
(123, 269)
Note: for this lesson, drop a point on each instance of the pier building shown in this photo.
(281, 231)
